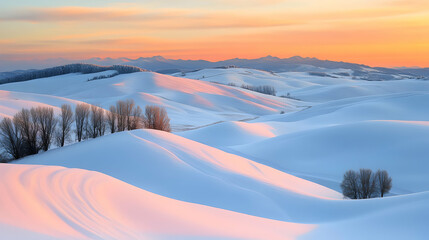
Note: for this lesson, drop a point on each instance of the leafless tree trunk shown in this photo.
(111, 119)
(47, 122)
(10, 138)
(129, 111)
(97, 123)
(368, 185)
(65, 122)
(349, 185)
(364, 184)
(121, 110)
(136, 118)
(384, 182)
(81, 119)
(27, 124)
(156, 118)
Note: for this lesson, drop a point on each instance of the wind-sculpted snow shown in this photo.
(189, 103)
(60, 203)
(179, 168)
(243, 171)
(400, 147)
(51, 202)
(238, 132)
(309, 87)
(12, 102)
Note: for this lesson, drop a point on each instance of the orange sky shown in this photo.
(373, 32)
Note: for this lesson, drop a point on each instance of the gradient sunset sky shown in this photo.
(374, 32)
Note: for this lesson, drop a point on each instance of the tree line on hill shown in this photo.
(265, 89)
(35, 129)
(70, 68)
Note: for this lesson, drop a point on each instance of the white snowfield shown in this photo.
(190, 103)
(243, 171)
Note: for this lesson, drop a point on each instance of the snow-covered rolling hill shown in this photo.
(233, 168)
(190, 103)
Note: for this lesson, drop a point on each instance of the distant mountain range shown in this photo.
(268, 63)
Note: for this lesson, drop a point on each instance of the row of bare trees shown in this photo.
(32, 130)
(366, 184)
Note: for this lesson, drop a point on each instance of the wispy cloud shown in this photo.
(396, 30)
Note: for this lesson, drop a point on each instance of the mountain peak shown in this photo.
(269, 57)
(158, 58)
(297, 58)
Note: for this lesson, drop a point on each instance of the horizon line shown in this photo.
(202, 59)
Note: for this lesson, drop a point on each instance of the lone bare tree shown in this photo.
(111, 119)
(81, 119)
(384, 182)
(47, 122)
(27, 124)
(65, 121)
(10, 138)
(156, 118)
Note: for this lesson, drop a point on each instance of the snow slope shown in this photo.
(11, 102)
(60, 203)
(179, 168)
(321, 142)
(309, 87)
(189, 103)
(50, 202)
(400, 147)
(271, 176)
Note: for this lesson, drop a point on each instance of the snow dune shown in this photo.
(59, 203)
(238, 133)
(272, 176)
(176, 167)
(11, 102)
(308, 87)
(51, 202)
(399, 147)
(189, 103)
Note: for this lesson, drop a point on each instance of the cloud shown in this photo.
(163, 18)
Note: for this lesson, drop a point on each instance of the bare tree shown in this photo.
(121, 110)
(384, 182)
(136, 118)
(368, 185)
(350, 185)
(10, 138)
(129, 109)
(156, 118)
(27, 124)
(47, 122)
(365, 184)
(81, 119)
(96, 126)
(65, 121)
(111, 118)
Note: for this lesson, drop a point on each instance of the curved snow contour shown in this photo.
(58, 203)
(179, 168)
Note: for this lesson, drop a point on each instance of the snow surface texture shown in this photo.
(272, 176)
(189, 103)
